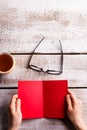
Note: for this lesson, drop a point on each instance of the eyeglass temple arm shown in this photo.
(38, 44)
(61, 56)
(35, 49)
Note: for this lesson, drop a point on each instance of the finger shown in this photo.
(69, 91)
(69, 102)
(18, 105)
(14, 96)
(73, 97)
(13, 103)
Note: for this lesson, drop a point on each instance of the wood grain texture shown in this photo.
(39, 6)
(20, 30)
(37, 124)
(22, 26)
(74, 70)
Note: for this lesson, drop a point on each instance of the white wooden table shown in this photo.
(20, 31)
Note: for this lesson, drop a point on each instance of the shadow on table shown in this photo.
(69, 125)
(58, 124)
(4, 118)
(1, 78)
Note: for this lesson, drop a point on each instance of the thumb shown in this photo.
(18, 105)
(69, 103)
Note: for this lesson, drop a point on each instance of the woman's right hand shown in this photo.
(74, 111)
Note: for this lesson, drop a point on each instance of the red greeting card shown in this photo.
(43, 99)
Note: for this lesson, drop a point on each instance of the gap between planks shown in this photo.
(49, 53)
(68, 87)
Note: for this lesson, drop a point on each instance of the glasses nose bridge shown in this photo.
(44, 70)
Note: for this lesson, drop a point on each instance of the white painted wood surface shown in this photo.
(22, 25)
(74, 70)
(18, 27)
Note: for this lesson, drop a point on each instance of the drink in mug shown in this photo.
(7, 63)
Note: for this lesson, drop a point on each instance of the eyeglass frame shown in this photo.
(41, 69)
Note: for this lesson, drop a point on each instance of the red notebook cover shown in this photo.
(43, 98)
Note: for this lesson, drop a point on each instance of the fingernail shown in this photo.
(67, 95)
(19, 100)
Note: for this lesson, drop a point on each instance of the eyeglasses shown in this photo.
(52, 72)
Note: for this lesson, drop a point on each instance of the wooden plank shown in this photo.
(44, 5)
(20, 31)
(74, 70)
(34, 124)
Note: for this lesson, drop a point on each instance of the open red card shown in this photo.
(43, 98)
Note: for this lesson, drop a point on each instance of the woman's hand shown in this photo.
(15, 113)
(74, 111)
